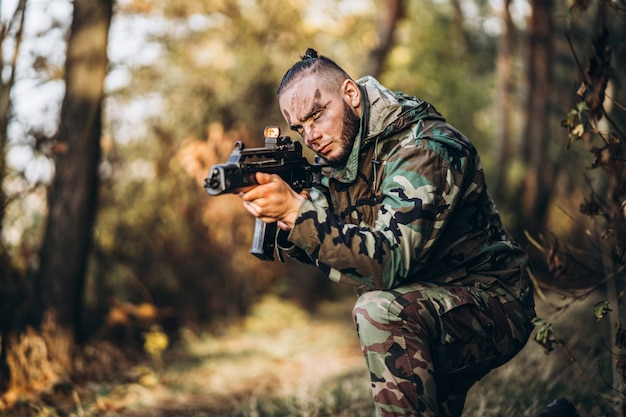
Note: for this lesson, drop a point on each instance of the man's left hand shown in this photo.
(273, 200)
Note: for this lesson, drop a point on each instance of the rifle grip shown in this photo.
(264, 240)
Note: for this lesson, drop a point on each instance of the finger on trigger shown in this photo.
(263, 177)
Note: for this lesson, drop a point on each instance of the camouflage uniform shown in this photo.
(444, 292)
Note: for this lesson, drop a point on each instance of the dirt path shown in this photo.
(280, 352)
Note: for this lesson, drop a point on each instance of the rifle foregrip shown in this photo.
(264, 240)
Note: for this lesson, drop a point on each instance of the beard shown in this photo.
(349, 129)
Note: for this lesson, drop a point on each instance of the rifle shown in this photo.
(280, 156)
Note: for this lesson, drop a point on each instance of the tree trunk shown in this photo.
(458, 17)
(72, 199)
(10, 290)
(16, 24)
(505, 99)
(386, 30)
(534, 143)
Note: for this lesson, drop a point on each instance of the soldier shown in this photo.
(405, 218)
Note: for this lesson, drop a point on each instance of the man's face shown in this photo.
(325, 119)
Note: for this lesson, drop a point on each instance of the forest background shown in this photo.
(118, 270)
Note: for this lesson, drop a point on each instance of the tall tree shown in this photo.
(536, 134)
(392, 12)
(72, 198)
(505, 99)
(13, 28)
(8, 296)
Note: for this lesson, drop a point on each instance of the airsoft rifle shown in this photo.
(280, 156)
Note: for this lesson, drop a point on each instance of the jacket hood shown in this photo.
(385, 112)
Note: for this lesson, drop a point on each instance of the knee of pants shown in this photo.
(376, 313)
(372, 306)
(371, 317)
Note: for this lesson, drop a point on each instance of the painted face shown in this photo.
(326, 122)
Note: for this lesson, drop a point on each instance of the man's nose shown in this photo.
(311, 135)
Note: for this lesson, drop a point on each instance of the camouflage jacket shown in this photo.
(410, 205)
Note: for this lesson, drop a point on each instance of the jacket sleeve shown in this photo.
(285, 247)
(420, 190)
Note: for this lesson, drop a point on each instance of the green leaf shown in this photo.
(579, 130)
(601, 309)
(545, 335)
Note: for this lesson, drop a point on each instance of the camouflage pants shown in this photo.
(426, 344)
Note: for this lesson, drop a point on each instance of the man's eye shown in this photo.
(316, 115)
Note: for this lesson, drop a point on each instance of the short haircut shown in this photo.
(331, 74)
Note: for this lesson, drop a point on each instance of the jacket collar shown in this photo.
(384, 112)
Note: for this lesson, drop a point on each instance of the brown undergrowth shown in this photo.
(284, 361)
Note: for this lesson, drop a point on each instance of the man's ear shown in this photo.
(351, 93)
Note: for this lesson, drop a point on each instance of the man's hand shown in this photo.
(273, 200)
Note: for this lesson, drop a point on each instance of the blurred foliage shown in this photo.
(158, 234)
(160, 238)
(170, 246)
(447, 64)
(585, 241)
(596, 121)
(313, 366)
(155, 342)
(187, 79)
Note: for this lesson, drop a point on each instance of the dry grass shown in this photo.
(533, 379)
(285, 362)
